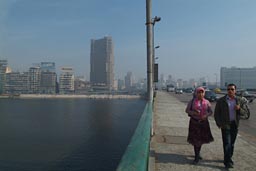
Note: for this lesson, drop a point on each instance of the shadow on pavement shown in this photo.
(188, 160)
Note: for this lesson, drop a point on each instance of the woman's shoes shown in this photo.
(196, 160)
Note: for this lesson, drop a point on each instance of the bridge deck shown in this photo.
(169, 149)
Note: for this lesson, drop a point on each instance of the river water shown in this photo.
(66, 134)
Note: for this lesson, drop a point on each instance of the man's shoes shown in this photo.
(231, 162)
(228, 166)
(200, 158)
(195, 162)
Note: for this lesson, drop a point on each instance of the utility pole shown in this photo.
(149, 25)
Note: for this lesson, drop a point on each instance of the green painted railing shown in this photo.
(136, 155)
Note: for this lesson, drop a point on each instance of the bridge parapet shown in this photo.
(137, 153)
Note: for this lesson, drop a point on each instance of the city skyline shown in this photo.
(196, 38)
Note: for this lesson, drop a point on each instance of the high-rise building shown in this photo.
(17, 83)
(244, 78)
(67, 81)
(102, 63)
(48, 78)
(34, 75)
(3, 66)
(120, 84)
(128, 81)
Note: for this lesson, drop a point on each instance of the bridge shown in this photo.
(159, 142)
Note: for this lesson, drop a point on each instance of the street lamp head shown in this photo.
(155, 19)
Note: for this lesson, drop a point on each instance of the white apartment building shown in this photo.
(67, 81)
(244, 78)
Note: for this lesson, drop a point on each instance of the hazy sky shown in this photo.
(196, 37)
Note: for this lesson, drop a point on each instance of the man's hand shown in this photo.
(237, 107)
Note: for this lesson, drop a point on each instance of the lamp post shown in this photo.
(149, 51)
(153, 21)
(150, 45)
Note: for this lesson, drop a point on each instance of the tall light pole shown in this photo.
(149, 51)
(154, 20)
(150, 22)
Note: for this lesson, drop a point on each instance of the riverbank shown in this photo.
(71, 96)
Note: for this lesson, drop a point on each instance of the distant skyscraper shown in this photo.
(128, 81)
(102, 63)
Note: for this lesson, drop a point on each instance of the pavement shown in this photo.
(169, 150)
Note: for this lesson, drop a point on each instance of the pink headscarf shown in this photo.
(200, 105)
(200, 89)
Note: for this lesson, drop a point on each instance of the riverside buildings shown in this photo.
(244, 78)
(102, 64)
(40, 78)
(3, 66)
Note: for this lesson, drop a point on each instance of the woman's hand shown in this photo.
(204, 117)
(196, 113)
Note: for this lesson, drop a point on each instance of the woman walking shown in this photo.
(199, 109)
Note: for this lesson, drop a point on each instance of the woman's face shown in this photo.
(200, 94)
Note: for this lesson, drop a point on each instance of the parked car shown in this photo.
(188, 90)
(210, 95)
(178, 91)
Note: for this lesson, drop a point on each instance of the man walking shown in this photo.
(227, 115)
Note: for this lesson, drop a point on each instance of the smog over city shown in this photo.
(195, 38)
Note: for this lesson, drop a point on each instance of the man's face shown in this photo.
(231, 91)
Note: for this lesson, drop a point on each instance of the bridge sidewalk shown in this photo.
(169, 149)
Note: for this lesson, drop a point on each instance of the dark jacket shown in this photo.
(221, 112)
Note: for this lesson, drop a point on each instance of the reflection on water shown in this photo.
(66, 134)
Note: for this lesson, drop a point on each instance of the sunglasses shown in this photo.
(232, 89)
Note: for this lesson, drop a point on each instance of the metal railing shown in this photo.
(136, 155)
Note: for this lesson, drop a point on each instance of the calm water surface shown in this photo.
(65, 134)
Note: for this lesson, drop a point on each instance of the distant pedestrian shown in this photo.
(227, 115)
(199, 128)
